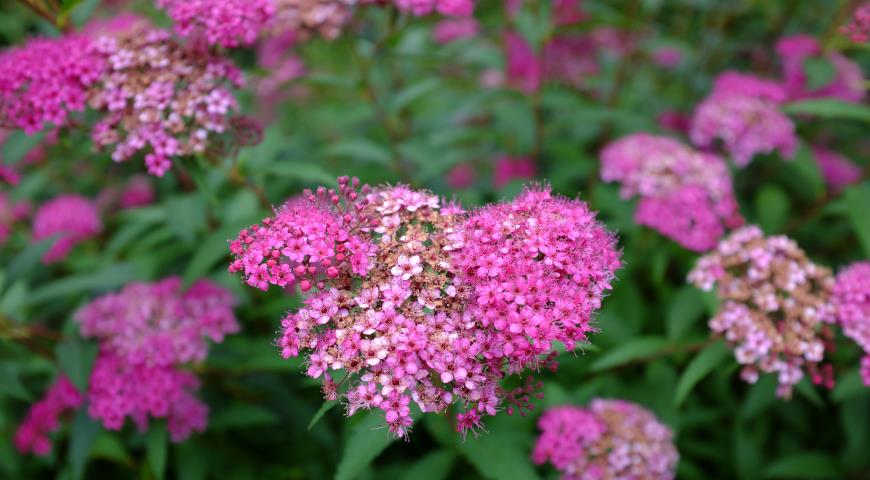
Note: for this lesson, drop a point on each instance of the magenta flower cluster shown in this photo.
(776, 307)
(609, 440)
(858, 29)
(743, 112)
(44, 80)
(147, 332)
(72, 218)
(414, 300)
(851, 298)
(684, 194)
(228, 23)
(847, 83)
(45, 416)
(838, 171)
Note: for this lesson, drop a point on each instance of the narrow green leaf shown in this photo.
(700, 367)
(849, 385)
(10, 383)
(14, 298)
(829, 108)
(857, 201)
(771, 208)
(185, 216)
(242, 416)
(819, 72)
(805, 164)
(107, 278)
(360, 149)
(325, 407)
(191, 460)
(17, 144)
(156, 449)
(209, 253)
(25, 262)
(805, 465)
(303, 172)
(631, 350)
(806, 389)
(434, 466)
(76, 359)
(83, 434)
(498, 456)
(369, 438)
(109, 447)
(413, 92)
(684, 311)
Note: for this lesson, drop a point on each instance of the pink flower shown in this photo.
(407, 267)
(839, 171)
(609, 439)
(44, 417)
(450, 30)
(508, 168)
(72, 218)
(686, 195)
(523, 69)
(667, 57)
(567, 12)
(457, 8)
(9, 175)
(45, 80)
(571, 59)
(858, 30)
(138, 192)
(775, 306)
(228, 23)
(847, 83)
(851, 298)
(674, 120)
(461, 176)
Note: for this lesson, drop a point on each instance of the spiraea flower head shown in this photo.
(45, 80)
(775, 306)
(522, 67)
(147, 332)
(847, 82)
(684, 194)
(45, 416)
(839, 172)
(609, 440)
(394, 308)
(456, 8)
(308, 18)
(858, 29)
(72, 218)
(852, 304)
(228, 23)
(158, 97)
(743, 113)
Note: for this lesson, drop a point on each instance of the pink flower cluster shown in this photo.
(610, 440)
(858, 30)
(44, 80)
(742, 112)
(159, 96)
(137, 193)
(414, 302)
(146, 332)
(684, 194)
(72, 218)
(839, 172)
(456, 8)
(44, 417)
(228, 23)
(8, 175)
(508, 168)
(847, 83)
(775, 306)
(851, 300)
(452, 29)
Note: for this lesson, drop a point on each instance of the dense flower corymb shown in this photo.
(742, 112)
(72, 218)
(44, 417)
(228, 23)
(159, 97)
(610, 440)
(852, 304)
(147, 331)
(846, 84)
(395, 303)
(686, 195)
(858, 30)
(838, 171)
(776, 306)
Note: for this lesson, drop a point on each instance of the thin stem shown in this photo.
(39, 10)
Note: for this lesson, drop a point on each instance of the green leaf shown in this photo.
(107, 278)
(24, 262)
(156, 449)
(83, 434)
(10, 383)
(210, 252)
(684, 311)
(242, 416)
(808, 391)
(413, 92)
(819, 72)
(304, 172)
(360, 149)
(771, 208)
(497, 456)
(806, 166)
(369, 438)
(849, 385)
(829, 108)
(191, 460)
(185, 216)
(434, 466)
(631, 350)
(76, 359)
(14, 298)
(325, 407)
(857, 202)
(17, 145)
(107, 446)
(700, 367)
(805, 465)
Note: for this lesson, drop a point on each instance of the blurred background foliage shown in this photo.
(386, 103)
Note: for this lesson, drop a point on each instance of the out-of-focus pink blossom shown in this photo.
(509, 168)
(848, 80)
(858, 30)
(667, 57)
(44, 417)
(456, 8)
(613, 40)
(611, 439)
(852, 304)
(72, 218)
(674, 120)
(453, 29)
(492, 78)
(839, 171)
(570, 59)
(567, 12)
(137, 193)
(8, 175)
(523, 69)
(461, 176)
